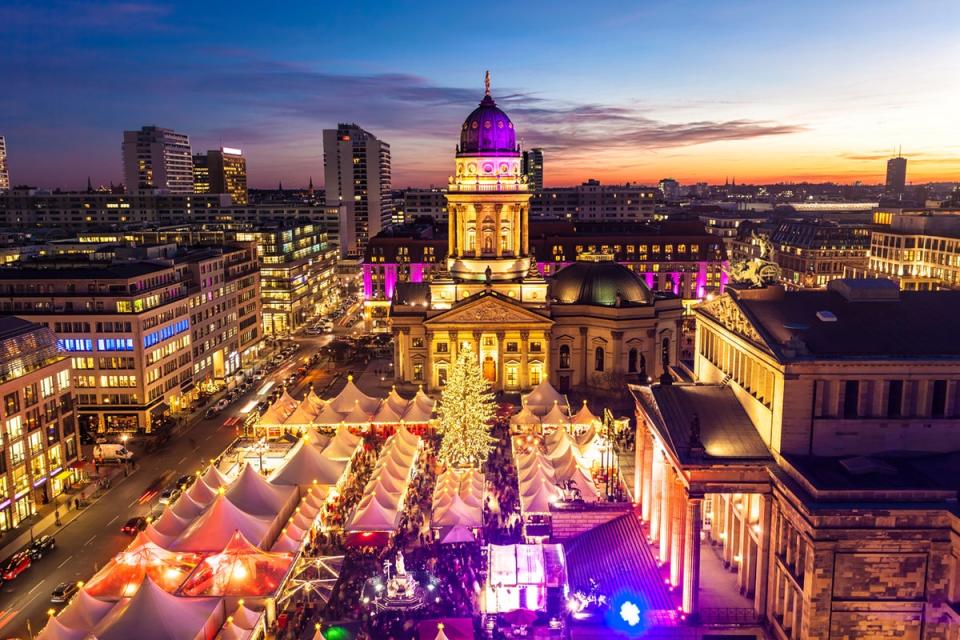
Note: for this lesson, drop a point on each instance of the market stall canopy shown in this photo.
(170, 524)
(241, 569)
(456, 534)
(315, 401)
(542, 397)
(386, 414)
(201, 493)
(56, 630)
(230, 631)
(540, 498)
(186, 507)
(584, 416)
(327, 415)
(252, 493)
(84, 611)
(373, 516)
(458, 512)
(154, 614)
(357, 415)
(397, 402)
(306, 466)
(214, 529)
(524, 417)
(350, 396)
(245, 617)
(304, 414)
(556, 416)
(214, 478)
(286, 403)
(121, 576)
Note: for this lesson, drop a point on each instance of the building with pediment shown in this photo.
(811, 471)
(593, 324)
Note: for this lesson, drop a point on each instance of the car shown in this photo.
(262, 406)
(64, 592)
(41, 546)
(133, 525)
(222, 404)
(185, 481)
(16, 564)
(312, 331)
(170, 494)
(212, 412)
(259, 375)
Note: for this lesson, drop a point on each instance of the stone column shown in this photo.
(524, 373)
(656, 486)
(428, 374)
(763, 556)
(515, 228)
(646, 489)
(498, 221)
(743, 548)
(677, 521)
(501, 379)
(478, 344)
(453, 224)
(454, 338)
(691, 557)
(666, 508)
(729, 522)
(524, 248)
(640, 443)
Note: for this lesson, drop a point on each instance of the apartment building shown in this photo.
(40, 442)
(812, 253)
(595, 202)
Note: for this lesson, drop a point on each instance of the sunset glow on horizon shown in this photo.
(697, 91)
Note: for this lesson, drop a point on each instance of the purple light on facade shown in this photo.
(701, 279)
(651, 284)
(676, 278)
(389, 280)
(367, 281)
(723, 277)
(416, 272)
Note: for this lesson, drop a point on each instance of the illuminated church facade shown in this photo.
(595, 324)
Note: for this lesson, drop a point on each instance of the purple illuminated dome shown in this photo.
(488, 130)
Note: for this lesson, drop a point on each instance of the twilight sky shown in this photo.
(620, 91)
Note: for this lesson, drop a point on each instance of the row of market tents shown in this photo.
(383, 495)
(351, 406)
(547, 407)
(458, 504)
(222, 542)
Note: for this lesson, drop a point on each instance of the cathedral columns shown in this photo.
(524, 247)
(691, 556)
(515, 228)
(677, 523)
(454, 222)
(646, 480)
(656, 495)
(428, 376)
(500, 371)
(524, 361)
(666, 505)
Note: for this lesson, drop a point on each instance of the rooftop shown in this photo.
(121, 271)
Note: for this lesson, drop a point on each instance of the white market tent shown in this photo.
(253, 494)
(350, 396)
(524, 418)
(307, 466)
(556, 417)
(56, 630)
(84, 611)
(214, 529)
(154, 614)
(214, 478)
(542, 398)
(584, 416)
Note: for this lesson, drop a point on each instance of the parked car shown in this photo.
(16, 564)
(170, 494)
(212, 412)
(185, 481)
(222, 404)
(64, 592)
(259, 375)
(133, 525)
(41, 546)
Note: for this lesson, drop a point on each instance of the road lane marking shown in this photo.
(24, 605)
(114, 518)
(60, 566)
(35, 586)
(182, 460)
(135, 501)
(90, 540)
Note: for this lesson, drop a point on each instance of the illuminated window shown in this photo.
(512, 372)
(564, 356)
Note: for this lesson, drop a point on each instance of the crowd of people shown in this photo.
(501, 507)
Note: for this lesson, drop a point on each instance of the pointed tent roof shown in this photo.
(417, 413)
(214, 478)
(542, 397)
(459, 513)
(211, 531)
(328, 415)
(584, 416)
(56, 630)
(230, 631)
(358, 414)
(397, 402)
(340, 448)
(159, 539)
(407, 438)
(307, 465)
(556, 416)
(155, 614)
(387, 414)
(241, 569)
(246, 618)
(287, 403)
(524, 417)
(84, 611)
(186, 508)
(457, 533)
(252, 493)
(315, 401)
(170, 524)
(201, 493)
(285, 543)
(318, 440)
(273, 415)
(373, 517)
(304, 414)
(585, 483)
(351, 395)
(540, 500)
(127, 569)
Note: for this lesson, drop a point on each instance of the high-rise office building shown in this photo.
(4, 172)
(357, 170)
(533, 168)
(157, 158)
(670, 189)
(896, 176)
(222, 170)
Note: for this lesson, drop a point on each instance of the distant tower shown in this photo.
(533, 168)
(896, 176)
(4, 173)
(157, 158)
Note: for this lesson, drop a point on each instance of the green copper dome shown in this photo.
(604, 283)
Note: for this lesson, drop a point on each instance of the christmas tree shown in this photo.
(466, 409)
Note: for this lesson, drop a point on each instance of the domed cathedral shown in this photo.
(596, 325)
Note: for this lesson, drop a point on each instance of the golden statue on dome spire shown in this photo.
(486, 83)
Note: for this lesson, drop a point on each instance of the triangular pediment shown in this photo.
(725, 311)
(486, 309)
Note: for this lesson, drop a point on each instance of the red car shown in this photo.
(17, 564)
(133, 525)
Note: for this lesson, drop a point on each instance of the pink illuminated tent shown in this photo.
(212, 531)
(154, 614)
(214, 478)
(170, 524)
(352, 396)
(542, 398)
(121, 577)
(84, 611)
(201, 493)
(556, 416)
(241, 569)
(56, 630)
(373, 516)
(584, 416)
(357, 415)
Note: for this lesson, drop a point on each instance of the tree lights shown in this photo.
(465, 411)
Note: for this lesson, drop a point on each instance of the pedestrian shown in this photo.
(76, 503)
(56, 517)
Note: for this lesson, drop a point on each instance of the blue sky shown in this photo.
(614, 90)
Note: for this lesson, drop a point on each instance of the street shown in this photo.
(88, 542)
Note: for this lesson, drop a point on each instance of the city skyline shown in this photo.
(696, 92)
